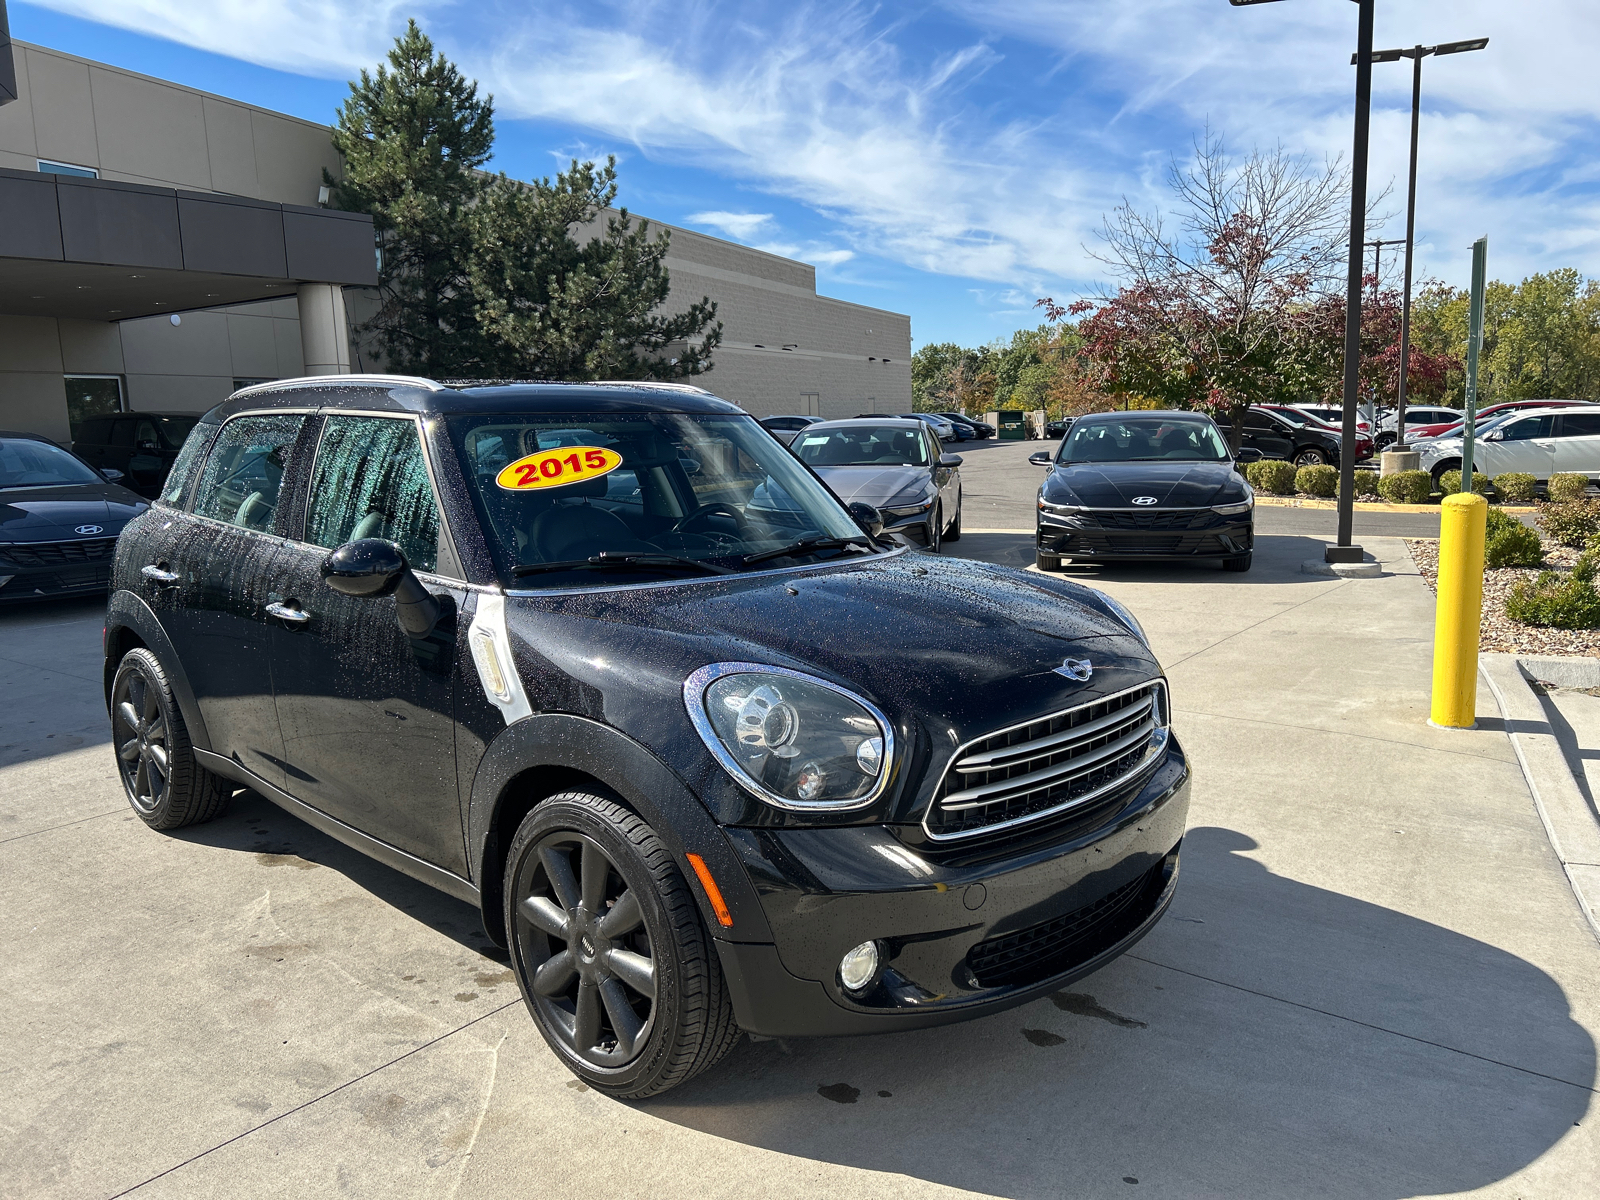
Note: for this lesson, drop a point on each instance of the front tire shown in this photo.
(953, 534)
(935, 529)
(160, 775)
(610, 952)
(1047, 562)
(1239, 563)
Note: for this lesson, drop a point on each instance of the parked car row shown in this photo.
(1539, 441)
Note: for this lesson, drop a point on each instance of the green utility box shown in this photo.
(1010, 425)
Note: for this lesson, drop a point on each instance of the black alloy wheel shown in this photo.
(160, 776)
(609, 949)
(1310, 456)
(1385, 440)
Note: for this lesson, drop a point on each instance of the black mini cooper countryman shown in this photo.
(704, 767)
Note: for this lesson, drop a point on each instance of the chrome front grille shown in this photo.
(1055, 764)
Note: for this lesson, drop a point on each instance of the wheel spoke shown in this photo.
(595, 868)
(129, 750)
(635, 970)
(129, 715)
(141, 780)
(552, 978)
(152, 707)
(158, 729)
(559, 869)
(624, 917)
(158, 756)
(586, 1029)
(545, 914)
(156, 773)
(136, 690)
(623, 1019)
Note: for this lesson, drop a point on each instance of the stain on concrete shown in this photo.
(465, 996)
(1043, 1037)
(839, 1093)
(489, 979)
(885, 1095)
(285, 859)
(1084, 1005)
(1129, 1179)
(577, 1085)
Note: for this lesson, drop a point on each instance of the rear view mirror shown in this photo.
(869, 518)
(1040, 458)
(373, 567)
(1247, 454)
(112, 475)
(950, 460)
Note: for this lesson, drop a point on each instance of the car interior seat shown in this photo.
(571, 527)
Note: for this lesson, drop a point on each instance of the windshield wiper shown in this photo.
(806, 545)
(628, 561)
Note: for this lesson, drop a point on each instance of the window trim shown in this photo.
(66, 169)
(298, 535)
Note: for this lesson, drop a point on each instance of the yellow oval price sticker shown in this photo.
(558, 467)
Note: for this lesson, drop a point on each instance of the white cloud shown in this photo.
(740, 226)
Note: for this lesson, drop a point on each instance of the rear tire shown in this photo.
(160, 775)
(1239, 563)
(1310, 456)
(613, 960)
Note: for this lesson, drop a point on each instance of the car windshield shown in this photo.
(565, 497)
(1298, 419)
(27, 463)
(1141, 439)
(862, 446)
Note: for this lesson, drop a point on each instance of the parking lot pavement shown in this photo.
(1374, 981)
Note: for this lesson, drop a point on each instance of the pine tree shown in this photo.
(414, 136)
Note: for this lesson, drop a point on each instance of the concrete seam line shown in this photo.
(1165, 667)
(63, 825)
(1410, 1037)
(314, 1100)
(1492, 666)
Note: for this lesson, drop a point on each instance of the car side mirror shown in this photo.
(950, 460)
(1040, 458)
(112, 475)
(373, 567)
(869, 518)
(148, 448)
(1495, 435)
(1247, 454)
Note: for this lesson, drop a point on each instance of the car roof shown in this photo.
(874, 422)
(411, 394)
(1148, 414)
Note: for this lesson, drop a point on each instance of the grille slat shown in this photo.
(1055, 764)
(58, 554)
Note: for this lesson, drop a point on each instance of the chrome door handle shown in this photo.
(156, 573)
(284, 613)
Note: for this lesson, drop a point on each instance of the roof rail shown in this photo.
(592, 383)
(278, 385)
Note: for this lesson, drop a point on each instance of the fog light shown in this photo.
(859, 967)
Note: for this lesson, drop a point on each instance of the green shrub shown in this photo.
(1515, 487)
(1272, 476)
(1566, 486)
(1317, 481)
(1510, 543)
(1406, 487)
(1571, 523)
(1450, 482)
(1559, 601)
(1366, 485)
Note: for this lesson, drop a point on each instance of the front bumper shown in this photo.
(1109, 534)
(915, 530)
(965, 931)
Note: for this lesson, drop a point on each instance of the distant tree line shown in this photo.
(483, 276)
(1236, 297)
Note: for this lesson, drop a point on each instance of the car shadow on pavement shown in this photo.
(254, 825)
(1270, 1038)
(1278, 558)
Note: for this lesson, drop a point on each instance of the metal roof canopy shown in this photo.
(106, 251)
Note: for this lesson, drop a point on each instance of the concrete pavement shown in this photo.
(1374, 981)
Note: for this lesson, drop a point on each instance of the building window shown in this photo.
(47, 167)
(92, 396)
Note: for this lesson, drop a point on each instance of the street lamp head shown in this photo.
(1381, 56)
(1242, 3)
(1461, 47)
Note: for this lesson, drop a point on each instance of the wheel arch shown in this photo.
(131, 623)
(549, 753)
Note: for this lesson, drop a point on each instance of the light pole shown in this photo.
(1345, 551)
(1416, 54)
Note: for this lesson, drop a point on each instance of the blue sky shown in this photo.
(949, 160)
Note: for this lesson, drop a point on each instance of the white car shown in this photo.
(1540, 442)
(1416, 416)
(1332, 414)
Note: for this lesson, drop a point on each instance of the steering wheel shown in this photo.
(715, 508)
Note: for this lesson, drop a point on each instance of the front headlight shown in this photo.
(796, 742)
(1059, 510)
(1233, 510)
(907, 510)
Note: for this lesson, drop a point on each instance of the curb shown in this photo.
(1571, 827)
(1370, 505)
(1368, 568)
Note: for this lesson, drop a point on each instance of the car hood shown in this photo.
(54, 514)
(949, 649)
(1116, 485)
(874, 485)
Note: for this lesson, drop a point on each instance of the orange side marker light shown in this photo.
(713, 892)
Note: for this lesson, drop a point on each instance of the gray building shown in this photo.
(161, 246)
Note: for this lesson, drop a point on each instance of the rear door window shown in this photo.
(244, 471)
(1580, 424)
(371, 481)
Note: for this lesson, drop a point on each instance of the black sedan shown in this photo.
(142, 445)
(897, 466)
(59, 520)
(980, 429)
(1144, 485)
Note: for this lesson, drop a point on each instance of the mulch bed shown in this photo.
(1498, 633)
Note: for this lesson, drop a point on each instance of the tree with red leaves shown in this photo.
(1320, 351)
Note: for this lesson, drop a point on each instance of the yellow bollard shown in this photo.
(1462, 518)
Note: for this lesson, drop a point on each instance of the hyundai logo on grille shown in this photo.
(1144, 499)
(86, 530)
(1076, 669)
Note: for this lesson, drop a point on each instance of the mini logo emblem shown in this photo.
(1076, 669)
(86, 530)
(1144, 499)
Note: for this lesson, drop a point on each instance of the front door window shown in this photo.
(371, 481)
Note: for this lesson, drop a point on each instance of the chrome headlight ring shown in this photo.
(695, 689)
